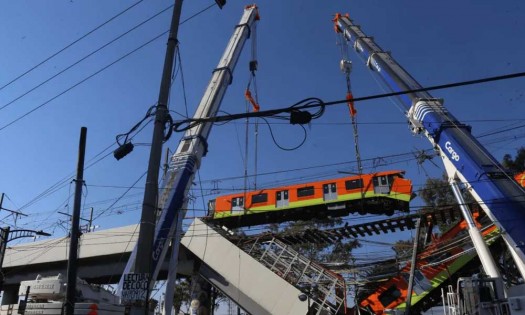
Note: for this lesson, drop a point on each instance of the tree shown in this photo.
(516, 165)
(437, 193)
(182, 294)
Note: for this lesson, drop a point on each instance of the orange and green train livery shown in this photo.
(436, 265)
(377, 193)
(520, 178)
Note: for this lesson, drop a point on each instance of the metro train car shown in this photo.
(438, 263)
(377, 193)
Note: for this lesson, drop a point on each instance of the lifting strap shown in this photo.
(346, 67)
(250, 99)
(255, 107)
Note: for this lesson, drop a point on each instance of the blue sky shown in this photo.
(437, 42)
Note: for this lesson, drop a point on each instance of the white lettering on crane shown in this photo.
(453, 154)
(157, 251)
(376, 65)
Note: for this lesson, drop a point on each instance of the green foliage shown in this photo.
(517, 164)
(437, 192)
(182, 294)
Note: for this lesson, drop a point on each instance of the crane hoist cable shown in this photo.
(255, 107)
(346, 68)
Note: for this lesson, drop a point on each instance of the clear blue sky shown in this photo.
(437, 42)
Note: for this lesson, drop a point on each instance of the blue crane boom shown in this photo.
(465, 159)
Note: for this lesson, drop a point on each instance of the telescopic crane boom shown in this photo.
(192, 147)
(466, 160)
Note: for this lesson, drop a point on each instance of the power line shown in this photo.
(69, 45)
(189, 123)
(83, 58)
(95, 73)
(81, 81)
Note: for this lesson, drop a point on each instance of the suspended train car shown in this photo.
(440, 261)
(377, 193)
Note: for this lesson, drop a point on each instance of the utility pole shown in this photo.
(89, 222)
(15, 213)
(90, 219)
(413, 267)
(75, 222)
(4, 235)
(149, 205)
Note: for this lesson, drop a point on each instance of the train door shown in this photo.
(211, 207)
(381, 185)
(281, 199)
(329, 192)
(237, 204)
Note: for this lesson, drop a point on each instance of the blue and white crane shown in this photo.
(466, 161)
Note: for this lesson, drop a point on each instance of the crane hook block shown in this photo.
(346, 66)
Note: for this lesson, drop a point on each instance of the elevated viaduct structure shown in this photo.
(227, 262)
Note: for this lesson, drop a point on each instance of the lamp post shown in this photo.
(7, 235)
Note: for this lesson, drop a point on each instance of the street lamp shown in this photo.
(7, 235)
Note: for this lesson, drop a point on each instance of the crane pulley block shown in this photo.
(346, 66)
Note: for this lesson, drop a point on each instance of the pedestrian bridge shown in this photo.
(103, 256)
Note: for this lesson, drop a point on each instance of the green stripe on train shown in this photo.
(450, 270)
(311, 202)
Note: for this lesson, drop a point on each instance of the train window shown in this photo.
(390, 295)
(260, 198)
(354, 184)
(237, 203)
(282, 195)
(305, 191)
(422, 281)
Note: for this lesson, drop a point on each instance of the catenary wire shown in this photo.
(70, 45)
(97, 72)
(82, 59)
(189, 123)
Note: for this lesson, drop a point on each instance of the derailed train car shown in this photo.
(444, 257)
